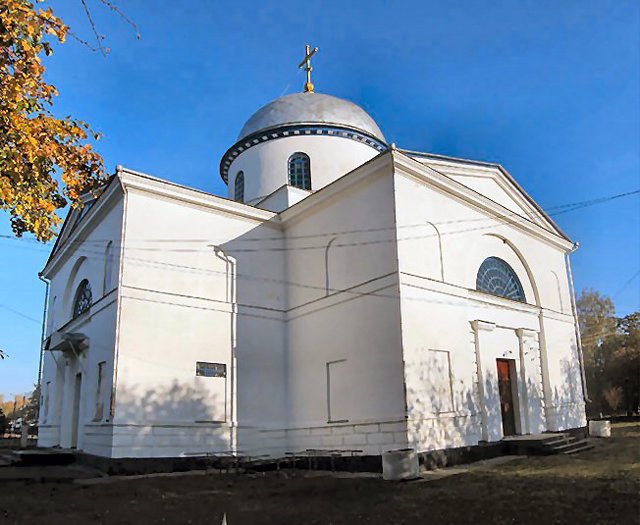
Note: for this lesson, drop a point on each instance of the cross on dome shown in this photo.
(306, 64)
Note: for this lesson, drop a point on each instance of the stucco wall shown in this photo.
(177, 308)
(85, 257)
(265, 165)
(344, 317)
(441, 244)
(349, 321)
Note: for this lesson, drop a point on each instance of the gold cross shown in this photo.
(306, 64)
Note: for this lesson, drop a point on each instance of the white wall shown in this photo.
(353, 324)
(177, 296)
(283, 198)
(83, 257)
(371, 279)
(265, 165)
(442, 243)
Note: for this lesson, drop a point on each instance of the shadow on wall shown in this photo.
(444, 413)
(569, 396)
(175, 415)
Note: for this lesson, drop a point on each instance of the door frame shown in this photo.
(515, 398)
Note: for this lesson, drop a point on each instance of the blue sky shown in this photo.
(548, 89)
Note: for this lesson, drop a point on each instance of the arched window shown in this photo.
(498, 278)
(83, 298)
(51, 315)
(108, 268)
(300, 171)
(238, 187)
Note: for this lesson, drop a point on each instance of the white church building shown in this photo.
(346, 295)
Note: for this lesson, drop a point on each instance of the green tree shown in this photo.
(623, 364)
(597, 322)
(30, 409)
(3, 423)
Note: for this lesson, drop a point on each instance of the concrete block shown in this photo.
(400, 464)
(600, 428)
(124, 440)
(331, 440)
(297, 432)
(355, 439)
(393, 427)
(366, 429)
(400, 438)
(280, 434)
(380, 438)
(342, 430)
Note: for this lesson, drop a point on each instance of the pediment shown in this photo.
(71, 221)
(493, 182)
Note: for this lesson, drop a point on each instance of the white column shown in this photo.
(477, 327)
(544, 367)
(523, 333)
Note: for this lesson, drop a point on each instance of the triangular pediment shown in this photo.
(493, 182)
(71, 221)
(75, 216)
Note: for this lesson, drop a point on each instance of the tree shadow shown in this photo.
(176, 419)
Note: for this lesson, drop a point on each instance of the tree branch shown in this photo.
(93, 27)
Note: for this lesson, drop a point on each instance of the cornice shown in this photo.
(337, 187)
(501, 177)
(295, 130)
(61, 250)
(415, 169)
(132, 180)
(489, 167)
(147, 184)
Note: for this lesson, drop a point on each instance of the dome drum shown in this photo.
(295, 130)
(305, 114)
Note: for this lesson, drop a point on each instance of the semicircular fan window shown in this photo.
(83, 298)
(496, 277)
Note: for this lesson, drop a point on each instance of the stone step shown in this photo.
(580, 446)
(556, 442)
(5, 462)
(42, 456)
(544, 438)
(573, 447)
(8, 459)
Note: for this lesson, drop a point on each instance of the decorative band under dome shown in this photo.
(294, 131)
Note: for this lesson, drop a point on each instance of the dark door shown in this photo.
(75, 423)
(505, 386)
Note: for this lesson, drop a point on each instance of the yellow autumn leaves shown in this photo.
(35, 146)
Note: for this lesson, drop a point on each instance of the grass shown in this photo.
(599, 486)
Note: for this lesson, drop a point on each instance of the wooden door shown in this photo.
(505, 387)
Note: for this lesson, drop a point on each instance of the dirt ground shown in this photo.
(600, 486)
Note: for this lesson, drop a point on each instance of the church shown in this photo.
(346, 295)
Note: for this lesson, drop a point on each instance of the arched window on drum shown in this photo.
(300, 171)
(238, 187)
(496, 277)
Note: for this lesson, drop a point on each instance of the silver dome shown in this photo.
(311, 108)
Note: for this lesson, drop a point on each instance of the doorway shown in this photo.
(75, 421)
(506, 387)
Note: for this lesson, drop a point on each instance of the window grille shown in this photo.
(83, 298)
(238, 187)
(300, 171)
(496, 277)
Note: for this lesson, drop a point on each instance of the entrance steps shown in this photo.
(546, 444)
(35, 457)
